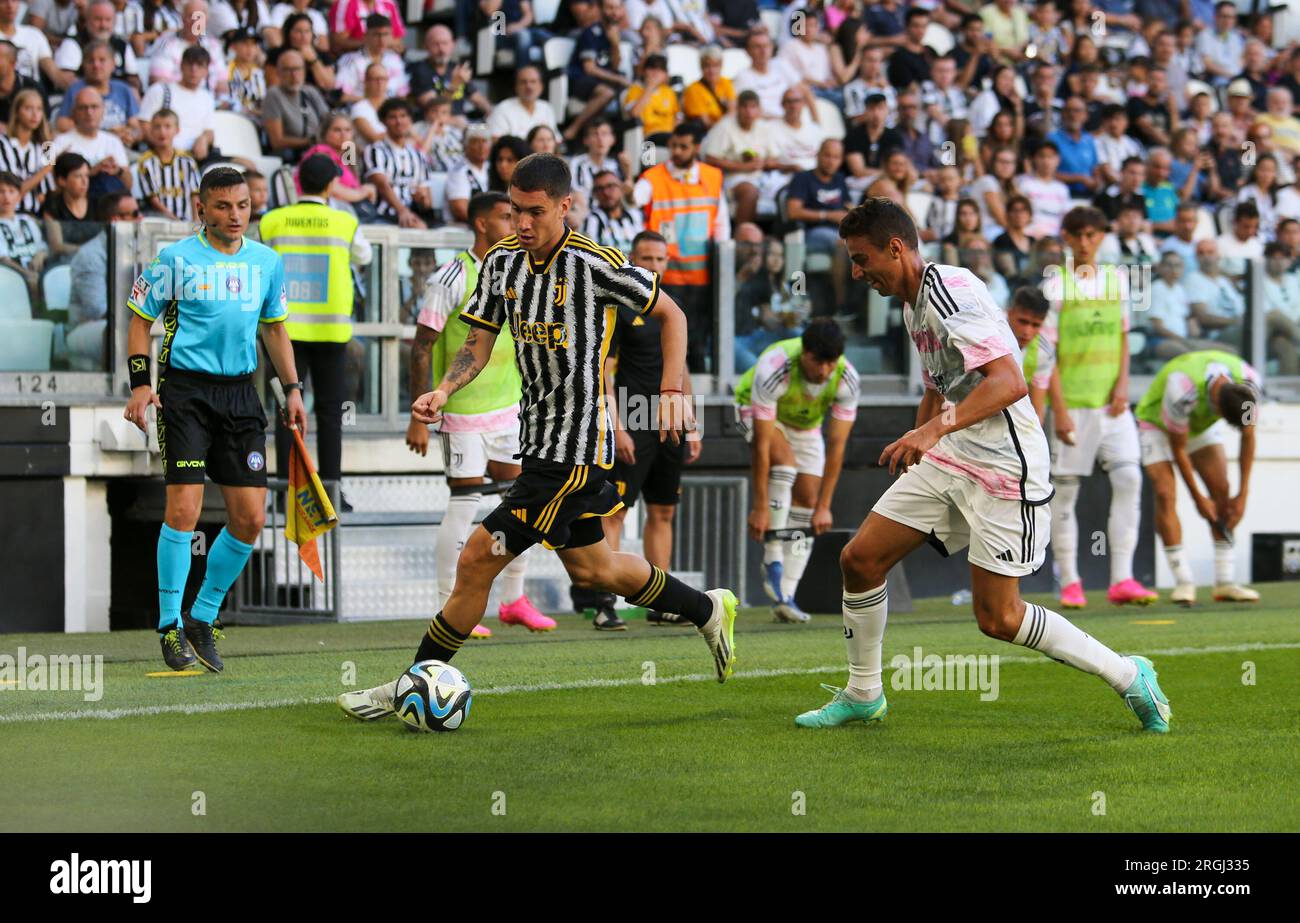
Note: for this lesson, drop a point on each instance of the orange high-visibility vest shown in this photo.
(684, 213)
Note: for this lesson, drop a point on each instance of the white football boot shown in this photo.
(369, 704)
(1235, 593)
(1184, 594)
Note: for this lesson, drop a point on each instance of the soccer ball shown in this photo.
(433, 696)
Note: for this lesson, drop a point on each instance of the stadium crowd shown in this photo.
(987, 121)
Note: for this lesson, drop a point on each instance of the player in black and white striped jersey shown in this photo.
(611, 223)
(559, 293)
(397, 166)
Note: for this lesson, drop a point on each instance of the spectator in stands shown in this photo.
(909, 63)
(966, 228)
(1079, 158)
(1043, 109)
(896, 180)
(156, 20)
(869, 143)
(1114, 145)
(68, 214)
(56, 18)
(870, 81)
(518, 114)
(1240, 107)
(1280, 118)
(1128, 191)
(798, 135)
(1128, 244)
(995, 188)
(229, 16)
(653, 39)
(521, 34)
(348, 23)
(1199, 115)
(1282, 310)
(104, 151)
(1153, 116)
(506, 153)
(808, 57)
(1001, 96)
(1242, 242)
(685, 202)
(596, 68)
(819, 200)
(399, 171)
(34, 56)
(653, 102)
(22, 246)
(1217, 305)
(733, 20)
(1291, 79)
(365, 111)
(442, 142)
(711, 97)
(99, 28)
(598, 140)
(1013, 248)
(941, 217)
(768, 78)
(1274, 202)
(1191, 170)
(977, 256)
(88, 296)
(1007, 24)
(542, 140)
(293, 110)
(1181, 241)
(246, 79)
(1050, 196)
(334, 140)
(440, 74)
(193, 104)
(850, 39)
(166, 179)
(1288, 235)
(1159, 193)
(470, 176)
(689, 18)
(942, 98)
(1225, 148)
(11, 81)
(121, 108)
(1254, 70)
(1220, 49)
(1171, 327)
(276, 30)
(973, 53)
(165, 57)
(916, 141)
(746, 149)
(609, 223)
(23, 150)
(299, 36)
(354, 66)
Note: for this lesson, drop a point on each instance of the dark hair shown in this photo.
(1046, 146)
(1285, 221)
(1132, 160)
(165, 113)
(823, 338)
(1133, 207)
(652, 236)
(913, 12)
(532, 132)
(107, 205)
(595, 123)
(516, 145)
(482, 203)
(1079, 219)
(691, 128)
(655, 62)
(68, 163)
(542, 173)
(1110, 110)
(1030, 298)
(287, 26)
(1245, 210)
(377, 21)
(968, 19)
(391, 105)
(195, 54)
(10, 179)
(1236, 401)
(220, 178)
(1013, 201)
(880, 220)
(746, 96)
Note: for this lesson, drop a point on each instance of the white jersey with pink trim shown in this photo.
(957, 328)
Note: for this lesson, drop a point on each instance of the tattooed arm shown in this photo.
(465, 365)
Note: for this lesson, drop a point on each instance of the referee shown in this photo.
(559, 294)
(213, 291)
(319, 246)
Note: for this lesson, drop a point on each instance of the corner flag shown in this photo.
(310, 511)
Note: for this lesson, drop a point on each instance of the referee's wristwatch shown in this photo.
(291, 386)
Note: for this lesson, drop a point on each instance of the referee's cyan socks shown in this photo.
(665, 593)
(173, 571)
(226, 558)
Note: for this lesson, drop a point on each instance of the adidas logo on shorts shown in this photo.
(1005, 556)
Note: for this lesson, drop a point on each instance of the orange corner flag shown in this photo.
(310, 511)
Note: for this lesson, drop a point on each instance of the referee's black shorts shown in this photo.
(211, 424)
(558, 505)
(656, 473)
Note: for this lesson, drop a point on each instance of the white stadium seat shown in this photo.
(772, 22)
(15, 299)
(918, 203)
(735, 61)
(556, 54)
(545, 11)
(25, 345)
(236, 136)
(1205, 229)
(56, 285)
(939, 38)
(684, 62)
(830, 118)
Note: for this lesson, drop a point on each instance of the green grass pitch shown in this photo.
(567, 733)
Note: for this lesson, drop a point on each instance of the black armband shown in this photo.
(137, 368)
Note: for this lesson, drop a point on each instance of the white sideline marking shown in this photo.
(207, 708)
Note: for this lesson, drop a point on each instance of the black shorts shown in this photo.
(657, 471)
(557, 505)
(214, 425)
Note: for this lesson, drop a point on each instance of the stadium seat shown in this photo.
(830, 118)
(15, 299)
(632, 140)
(283, 190)
(938, 38)
(556, 54)
(486, 56)
(684, 62)
(627, 59)
(771, 21)
(56, 286)
(735, 61)
(237, 137)
(918, 203)
(438, 187)
(1205, 229)
(25, 345)
(544, 11)
(1225, 218)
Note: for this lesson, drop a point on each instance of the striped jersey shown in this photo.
(614, 232)
(246, 90)
(173, 182)
(957, 329)
(404, 166)
(22, 161)
(562, 313)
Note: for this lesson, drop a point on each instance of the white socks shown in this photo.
(864, 630)
(1224, 569)
(1178, 565)
(512, 578)
(796, 552)
(454, 529)
(1052, 634)
(1065, 530)
(780, 484)
(1122, 523)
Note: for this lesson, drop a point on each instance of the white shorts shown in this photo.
(1156, 448)
(1007, 537)
(466, 455)
(808, 444)
(1098, 437)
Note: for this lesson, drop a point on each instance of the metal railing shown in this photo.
(710, 529)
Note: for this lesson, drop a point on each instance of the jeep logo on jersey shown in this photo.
(255, 461)
(552, 335)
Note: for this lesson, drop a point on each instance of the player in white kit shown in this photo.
(974, 472)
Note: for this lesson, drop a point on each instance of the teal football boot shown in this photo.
(842, 709)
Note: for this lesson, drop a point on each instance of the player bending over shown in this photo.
(559, 293)
(212, 289)
(780, 405)
(1180, 425)
(480, 423)
(974, 472)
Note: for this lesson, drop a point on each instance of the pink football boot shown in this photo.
(522, 612)
(1072, 596)
(482, 632)
(1130, 591)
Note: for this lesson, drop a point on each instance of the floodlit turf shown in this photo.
(576, 730)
